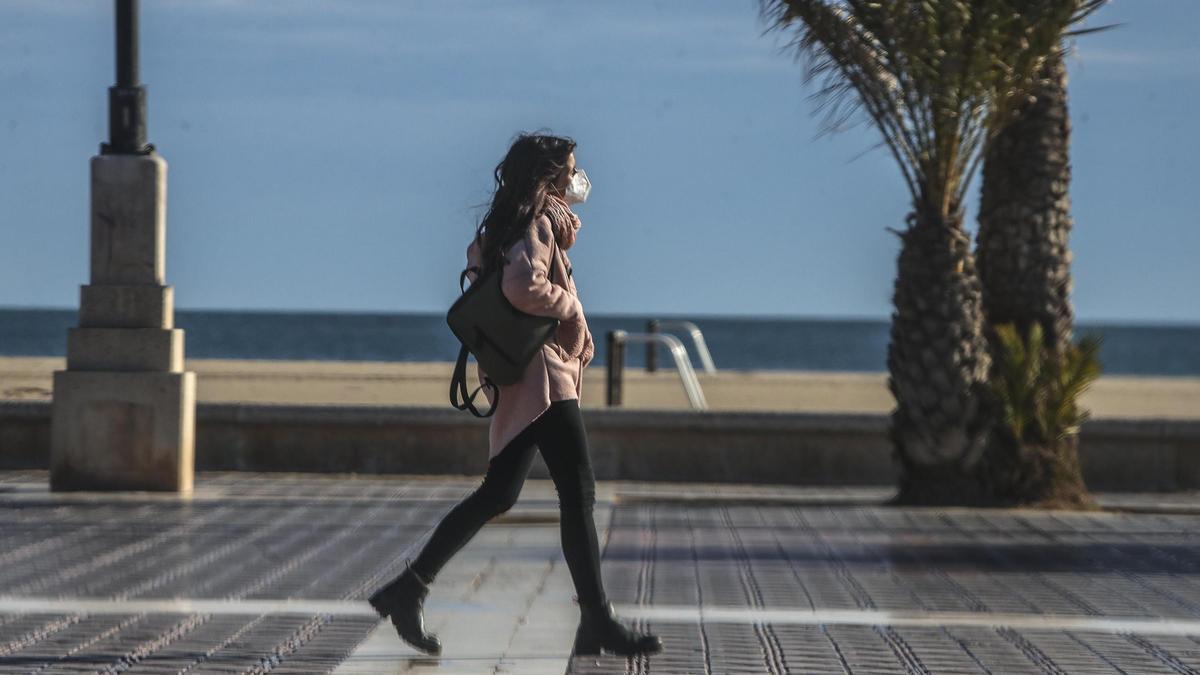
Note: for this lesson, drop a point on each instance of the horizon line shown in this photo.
(1105, 321)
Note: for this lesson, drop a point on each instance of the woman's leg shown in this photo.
(496, 494)
(562, 440)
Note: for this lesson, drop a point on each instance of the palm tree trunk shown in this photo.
(938, 364)
(1024, 264)
(1025, 218)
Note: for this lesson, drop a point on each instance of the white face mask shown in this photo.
(578, 188)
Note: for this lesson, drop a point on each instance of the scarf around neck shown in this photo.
(563, 221)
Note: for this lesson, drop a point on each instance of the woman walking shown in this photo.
(527, 230)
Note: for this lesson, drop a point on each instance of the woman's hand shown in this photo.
(572, 336)
(589, 350)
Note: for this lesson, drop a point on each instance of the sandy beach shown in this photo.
(427, 384)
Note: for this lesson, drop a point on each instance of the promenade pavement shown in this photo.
(261, 573)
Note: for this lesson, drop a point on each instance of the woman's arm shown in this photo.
(526, 283)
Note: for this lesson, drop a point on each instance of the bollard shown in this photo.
(651, 347)
(615, 366)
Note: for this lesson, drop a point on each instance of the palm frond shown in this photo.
(1089, 31)
(937, 78)
(847, 58)
(1039, 390)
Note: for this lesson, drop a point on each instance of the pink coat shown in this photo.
(556, 373)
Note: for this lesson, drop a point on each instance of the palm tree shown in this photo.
(1025, 270)
(937, 78)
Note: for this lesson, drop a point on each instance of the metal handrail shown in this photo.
(697, 339)
(691, 329)
(616, 365)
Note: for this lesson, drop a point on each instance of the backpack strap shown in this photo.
(459, 398)
(462, 277)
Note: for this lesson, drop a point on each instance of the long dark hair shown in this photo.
(533, 163)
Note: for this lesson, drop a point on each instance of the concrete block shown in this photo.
(123, 431)
(148, 306)
(125, 349)
(24, 434)
(129, 219)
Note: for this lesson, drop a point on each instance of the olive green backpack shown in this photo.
(503, 338)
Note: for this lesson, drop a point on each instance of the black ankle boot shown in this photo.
(600, 629)
(402, 599)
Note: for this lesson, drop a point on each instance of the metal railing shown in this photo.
(654, 326)
(616, 342)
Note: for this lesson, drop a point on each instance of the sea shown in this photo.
(735, 342)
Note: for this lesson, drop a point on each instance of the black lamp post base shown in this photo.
(126, 122)
(108, 149)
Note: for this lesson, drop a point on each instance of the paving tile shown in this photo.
(269, 573)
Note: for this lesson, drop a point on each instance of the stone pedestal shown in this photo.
(124, 409)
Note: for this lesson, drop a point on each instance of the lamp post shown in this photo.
(123, 414)
(127, 98)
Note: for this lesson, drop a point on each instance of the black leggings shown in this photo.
(560, 436)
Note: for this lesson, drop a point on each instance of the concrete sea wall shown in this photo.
(662, 445)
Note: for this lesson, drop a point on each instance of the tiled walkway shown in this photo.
(268, 572)
(868, 589)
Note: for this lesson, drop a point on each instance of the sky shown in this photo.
(337, 155)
